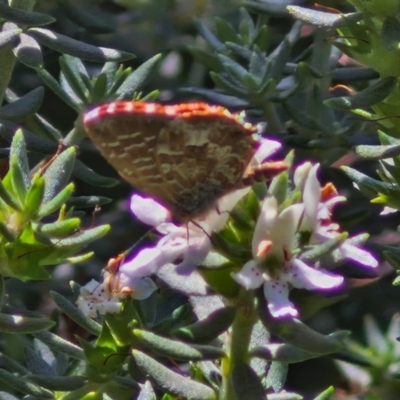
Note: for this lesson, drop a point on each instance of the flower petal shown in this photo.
(276, 293)
(358, 255)
(265, 223)
(301, 276)
(250, 277)
(145, 263)
(266, 149)
(311, 199)
(142, 288)
(148, 210)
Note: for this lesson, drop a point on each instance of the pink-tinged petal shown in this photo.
(250, 277)
(265, 224)
(111, 306)
(266, 149)
(358, 255)
(142, 288)
(148, 210)
(284, 234)
(193, 256)
(301, 276)
(388, 210)
(86, 307)
(325, 209)
(311, 198)
(89, 288)
(146, 262)
(300, 174)
(276, 293)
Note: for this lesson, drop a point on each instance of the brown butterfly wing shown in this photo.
(200, 159)
(187, 163)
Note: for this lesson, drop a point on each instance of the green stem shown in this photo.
(76, 135)
(238, 342)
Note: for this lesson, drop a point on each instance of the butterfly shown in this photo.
(186, 156)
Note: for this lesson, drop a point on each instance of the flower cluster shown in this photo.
(280, 232)
(281, 235)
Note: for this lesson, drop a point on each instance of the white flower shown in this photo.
(189, 243)
(318, 205)
(95, 298)
(273, 264)
(106, 297)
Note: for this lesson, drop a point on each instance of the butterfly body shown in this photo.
(186, 156)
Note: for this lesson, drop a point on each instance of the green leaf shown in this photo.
(58, 173)
(43, 128)
(222, 81)
(246, 384)
(23, 325)
(82, 238)
(206, 58)
(59, 383)
(87, 175)
(88, 201)
(56, 202)
(61, 229)
(73, 313)
(208, 328)
(177, 349)
(279, 60)
(25, 106)
(391, 33)
(100, 88)
(24, 386)
(18, 16)
(9, 235)
(19, 168)
(378, 152)
(323, 19)
(72, 70)
(369, 187)
(373, 94)
(28, 51)
(8, 198)
(233, 69)
(208, 36)
(261, 38)
(303, 119)
(138, 78)
(269, 7)
(36, 363)
(87, 20)
(171, 382)
(294, 332)
(240, 50)
(246, 28)
(33, 142)
(110, 70)
(58, 344)
(326, 394)
(225, 32)
(69, 91)
(57, 89)
(9, 36)
(34, 197)
(75, 48)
